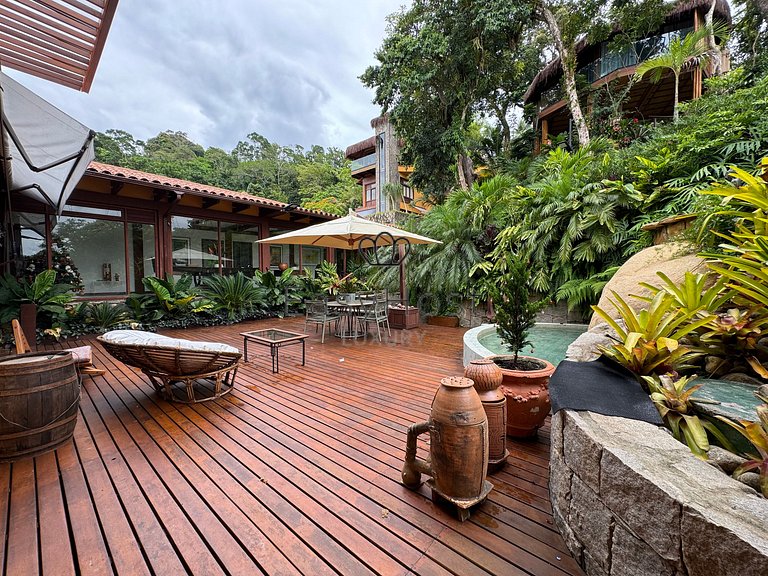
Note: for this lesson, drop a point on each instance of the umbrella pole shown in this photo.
(403, 287)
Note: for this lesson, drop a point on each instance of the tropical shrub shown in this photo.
(649, 341)
(49, 296)
(237, 295)
(672, 398)
(278, 292)
(105, 315)
(569, 222)
(757, 435)
(167, 298)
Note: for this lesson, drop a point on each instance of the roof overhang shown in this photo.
(58, 40)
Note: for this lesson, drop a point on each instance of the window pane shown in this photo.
(96, 211)
(311, 257)
(141, 254)
(95, 252)
(29, 237)
(241, 253)
(195, 247)
(282, 253)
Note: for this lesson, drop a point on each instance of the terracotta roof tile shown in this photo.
(191, 187)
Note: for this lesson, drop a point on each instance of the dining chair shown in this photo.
(376, 314)
(317, 313)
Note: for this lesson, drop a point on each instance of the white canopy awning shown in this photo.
(48, 150)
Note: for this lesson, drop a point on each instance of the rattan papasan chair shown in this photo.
(180, 370)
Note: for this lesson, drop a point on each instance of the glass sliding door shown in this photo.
(195, 247)
(240, 250)
(141, 254)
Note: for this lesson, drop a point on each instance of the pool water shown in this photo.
(548, 341)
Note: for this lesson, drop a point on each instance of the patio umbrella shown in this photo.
(348, 232)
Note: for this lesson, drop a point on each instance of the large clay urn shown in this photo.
(487, 378)
(527, 393)
(458, 434)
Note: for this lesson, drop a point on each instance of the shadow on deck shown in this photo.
(292, 473)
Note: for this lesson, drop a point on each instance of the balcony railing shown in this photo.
(363, 162)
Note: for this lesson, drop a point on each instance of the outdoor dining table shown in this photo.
(349, 312)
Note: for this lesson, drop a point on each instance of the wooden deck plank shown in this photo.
(22, 554)
(292, 473)
(5, 496)
(55, 546)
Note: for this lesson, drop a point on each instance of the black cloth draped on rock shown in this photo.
(601, 386)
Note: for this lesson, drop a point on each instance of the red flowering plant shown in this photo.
(623, 131)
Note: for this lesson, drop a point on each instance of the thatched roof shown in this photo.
(361, 148)
(550, 74)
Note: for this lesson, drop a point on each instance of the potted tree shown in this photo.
(526, 379)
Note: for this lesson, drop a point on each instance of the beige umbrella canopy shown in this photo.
(346, 233)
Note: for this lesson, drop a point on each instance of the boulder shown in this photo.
(672, 258)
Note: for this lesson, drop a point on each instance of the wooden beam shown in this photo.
(238, 207)
(210, 202)
(115, 187)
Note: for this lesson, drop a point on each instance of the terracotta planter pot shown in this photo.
(527, 393)
(444, 321)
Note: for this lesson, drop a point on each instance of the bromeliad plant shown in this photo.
(757, 435)
(672, 399)
(649, 341)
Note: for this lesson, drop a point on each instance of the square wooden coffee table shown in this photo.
(275, 339)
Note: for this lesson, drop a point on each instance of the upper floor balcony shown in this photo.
(363, 163)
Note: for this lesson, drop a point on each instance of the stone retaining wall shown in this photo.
(630, 500)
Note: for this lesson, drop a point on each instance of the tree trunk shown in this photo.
(568, 64)
(466, 171)
(715, 54)
(677, 86)
(506, 133)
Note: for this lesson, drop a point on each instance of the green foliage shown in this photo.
(317, 178)
(171, 298)
(570, 222)
(440, 61)
(580, 292)
(649, 341)
(673, 401)
(757, 435)
(515, 312)
(236, 295)
(105, 315)
(279, 290)
(49, 297)
(328, 276)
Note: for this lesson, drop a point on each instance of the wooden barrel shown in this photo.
(39, 401)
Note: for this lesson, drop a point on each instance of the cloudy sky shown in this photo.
(221, 69)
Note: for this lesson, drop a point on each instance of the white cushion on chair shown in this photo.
(140, 338)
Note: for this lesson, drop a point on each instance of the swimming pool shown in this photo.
(549, 341)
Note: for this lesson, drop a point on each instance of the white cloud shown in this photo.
(220, 70)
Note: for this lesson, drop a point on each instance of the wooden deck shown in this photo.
(293, 473)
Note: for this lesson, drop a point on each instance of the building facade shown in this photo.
(121, 225)
(383, 180)
(602, 64)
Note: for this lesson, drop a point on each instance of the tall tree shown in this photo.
(569, 21)
(440, 59)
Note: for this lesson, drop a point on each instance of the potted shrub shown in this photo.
(526, 379)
